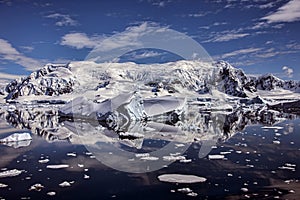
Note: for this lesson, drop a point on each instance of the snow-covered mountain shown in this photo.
(50, 80)
(108, 79)
(235, 82)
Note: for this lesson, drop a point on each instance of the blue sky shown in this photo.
(259, 36)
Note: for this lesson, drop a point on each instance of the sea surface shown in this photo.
(260, 162)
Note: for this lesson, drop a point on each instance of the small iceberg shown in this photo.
(10, 173)
(181, 178)
(17, 140)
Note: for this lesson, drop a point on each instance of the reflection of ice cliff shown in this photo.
(195, 125)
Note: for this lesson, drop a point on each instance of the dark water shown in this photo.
(252, 161)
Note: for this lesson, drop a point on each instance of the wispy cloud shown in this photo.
(80, 40)
(240, 52)
(145, 54)
(129, 37)
(62, 19)
(225, 36)
(158, 3)
(9, 53)
(288, 71)
(5, 76)
(289, 12)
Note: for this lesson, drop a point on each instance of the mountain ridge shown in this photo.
(60, 79)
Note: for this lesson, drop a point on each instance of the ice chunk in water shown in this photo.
(10, 173)
(181, 178)
(17, 140)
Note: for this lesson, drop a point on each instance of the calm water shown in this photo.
(266, 170)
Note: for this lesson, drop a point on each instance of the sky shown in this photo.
(259, 36)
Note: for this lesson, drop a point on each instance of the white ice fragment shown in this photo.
(215, 157)
(179, 145)
(276, 142)
(185, 190)
(3, 185)
(44, 161)
(37, 187)
(287, 167)
(57, 166)
(71, 154)
(139, 155)
(272, 127)
(65, 184)
(290, 165)
(16, 137)
(229, 174)
(86, 176)
(173, 158)
(10, 173)
(186, 161)
(133, 135)
(238, 152)
(244, 189)
(17, 140)
(192, 194)
(181, 178)
(149, 158)
(225, 152)
(80, 165)
(52, 193)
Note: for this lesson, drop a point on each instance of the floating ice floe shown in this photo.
(184, 190)
(276, 142)
(52, 193)
(288, 166)
(130, 135)
(181, 178)
(215, 157)
(149, 158)
(36, 187)
(3, 185)
(66, 184)
(43, 161)
(17, 140)
(10, 173)
(188, 192)
(71, 154)
(272, 127)
(60, 166)
(173, 158)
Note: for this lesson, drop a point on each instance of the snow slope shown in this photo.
(107, 80)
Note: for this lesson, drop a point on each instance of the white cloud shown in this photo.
(146, 54)
(80, 40)
(129, 37)
(62, 20)
(231, 36)
(268, 5)
(9, 53)
(288, 71)
(240, 52)
(289, 12)
(5, 76)
(226, 36)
